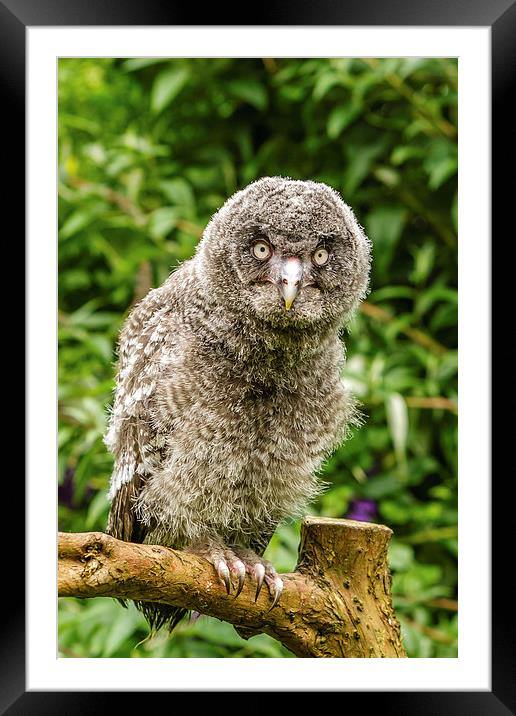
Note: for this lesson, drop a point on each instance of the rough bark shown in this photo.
(336, 604)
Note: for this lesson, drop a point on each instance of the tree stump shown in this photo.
(336, 604)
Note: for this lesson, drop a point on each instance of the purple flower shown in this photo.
(362, 510)
(66, 490)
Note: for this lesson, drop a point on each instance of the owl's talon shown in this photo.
(278, 589)
(223, 572)
(259, 574)
(240, 568)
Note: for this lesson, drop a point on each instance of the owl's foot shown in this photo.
(261, 571)
(225, 562)
(238, 561)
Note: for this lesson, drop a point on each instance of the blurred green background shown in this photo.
(148, 150)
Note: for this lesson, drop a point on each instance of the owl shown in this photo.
(229, 395)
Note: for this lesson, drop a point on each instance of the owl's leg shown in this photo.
(262, 571)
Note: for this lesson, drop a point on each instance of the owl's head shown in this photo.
(288, 252)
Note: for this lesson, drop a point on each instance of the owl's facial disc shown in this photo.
(289, 253)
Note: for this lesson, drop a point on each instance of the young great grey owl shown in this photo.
(228, 394)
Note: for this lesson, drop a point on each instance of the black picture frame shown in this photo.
(500, 16)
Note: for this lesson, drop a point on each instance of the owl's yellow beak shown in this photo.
(291, 275)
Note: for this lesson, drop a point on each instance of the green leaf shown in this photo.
(402, 153)
(121, 629)
(397, 418)
(162, 221)
(401, 556)
(424, 261)
(441, 171)
(102, 345)
(82, 123)
(167, 87)
(340, 117)
(335, 502)
(324, 84)
(382, 486)
(97, 512)
(249, 91)
(389, 292)
(75, 223)
(409, 65)
(387, 175)
(440, 163)
(138, 63)
(385, 224)
(359, 160)
(178, 191)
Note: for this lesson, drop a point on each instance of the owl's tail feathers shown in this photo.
(161, 615)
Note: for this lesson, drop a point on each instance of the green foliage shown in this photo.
(148, 150)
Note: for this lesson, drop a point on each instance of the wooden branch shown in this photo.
(336, 604)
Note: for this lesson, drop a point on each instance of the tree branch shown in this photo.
(336, 604)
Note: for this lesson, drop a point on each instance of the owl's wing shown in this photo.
(122, 522)
(135, 443)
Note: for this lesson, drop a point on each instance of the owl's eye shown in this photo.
(320, 256)
(262, 250)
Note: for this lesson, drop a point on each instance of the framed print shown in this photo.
(373, 104)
